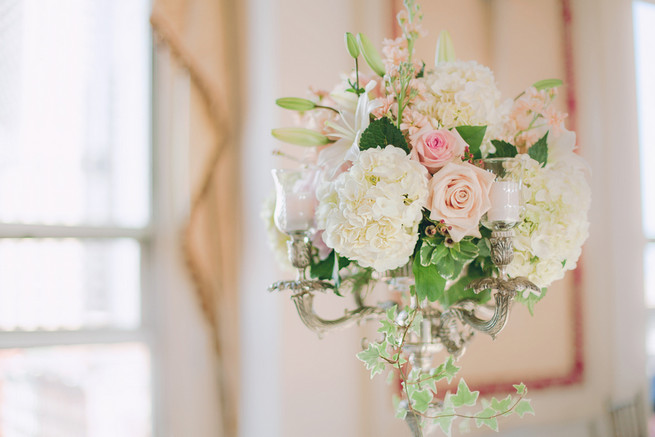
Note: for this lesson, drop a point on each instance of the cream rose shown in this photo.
(458, 194)
(435, 148)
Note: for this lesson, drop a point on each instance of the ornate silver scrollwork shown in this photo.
(451, 328)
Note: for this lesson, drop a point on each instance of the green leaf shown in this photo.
(547, 84)
(469, 247)
(336, 277)
(300, 136)
(446, 267)
(425, 254)
(416, 327)
(458, 255)
(438, 254)
(381, 133)
(501, 406)
(371, 55)
(485, 417)
(446, 370)
(539, 150)
(422, 399)
(473, 136)
(524, 407)
(504, 149)
(464, 395)
(295, 104)
(351, 44)
(445, 421)
(428, 282)
(460, 290)
(388, 327)
(521, 389)
(445, 49)
(391, 377)
(484, 249)
(323, 269)
(371, 357)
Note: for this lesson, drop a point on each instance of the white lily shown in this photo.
(348, 129)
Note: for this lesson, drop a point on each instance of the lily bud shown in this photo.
(371, 55)
(295, 104)
(300, 136)
(351, 45)
(445, 49)
(547, 84)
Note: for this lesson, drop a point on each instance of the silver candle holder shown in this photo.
(449, 329)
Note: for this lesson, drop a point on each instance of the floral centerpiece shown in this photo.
(400, 182)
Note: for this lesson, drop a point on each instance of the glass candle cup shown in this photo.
(505, 195)
(295, 201)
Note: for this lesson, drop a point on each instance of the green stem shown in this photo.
(357, 76)
(327, 107)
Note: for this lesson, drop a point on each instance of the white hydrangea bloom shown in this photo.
(464, 93)
(549, 240)
(371, 212)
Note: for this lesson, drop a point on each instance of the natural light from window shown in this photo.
(75, 214)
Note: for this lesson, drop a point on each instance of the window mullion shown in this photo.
(31, 339)
(8, 230)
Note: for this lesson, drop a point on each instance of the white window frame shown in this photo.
(145, 332)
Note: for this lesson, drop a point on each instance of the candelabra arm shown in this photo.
(466, 310)
(304, 303)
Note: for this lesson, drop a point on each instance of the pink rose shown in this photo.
(434, 148)
(458, 194)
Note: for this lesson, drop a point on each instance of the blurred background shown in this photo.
(135, 157)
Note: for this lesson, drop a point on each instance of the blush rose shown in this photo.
(458, 194)
(435, 148)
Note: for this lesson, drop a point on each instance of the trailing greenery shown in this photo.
(421, 389)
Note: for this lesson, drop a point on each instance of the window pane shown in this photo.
(644, 19)
(81, 391)
(48, 284)
(74, 112)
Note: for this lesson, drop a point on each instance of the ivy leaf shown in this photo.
(524, 407)
(473, 136)
(401, 411)
(428, 282)
(446, 370)
(391, 377)
(371, 357)
(382, 132)
(501, 406)
(389, 328)
(464, 395)
(485, 417)
(416, 326)
(539, 150)
(445, 421)
(422, 399)
(521, 389)
(504, 149)
(431, 383)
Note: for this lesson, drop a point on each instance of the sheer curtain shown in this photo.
(195, 32)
